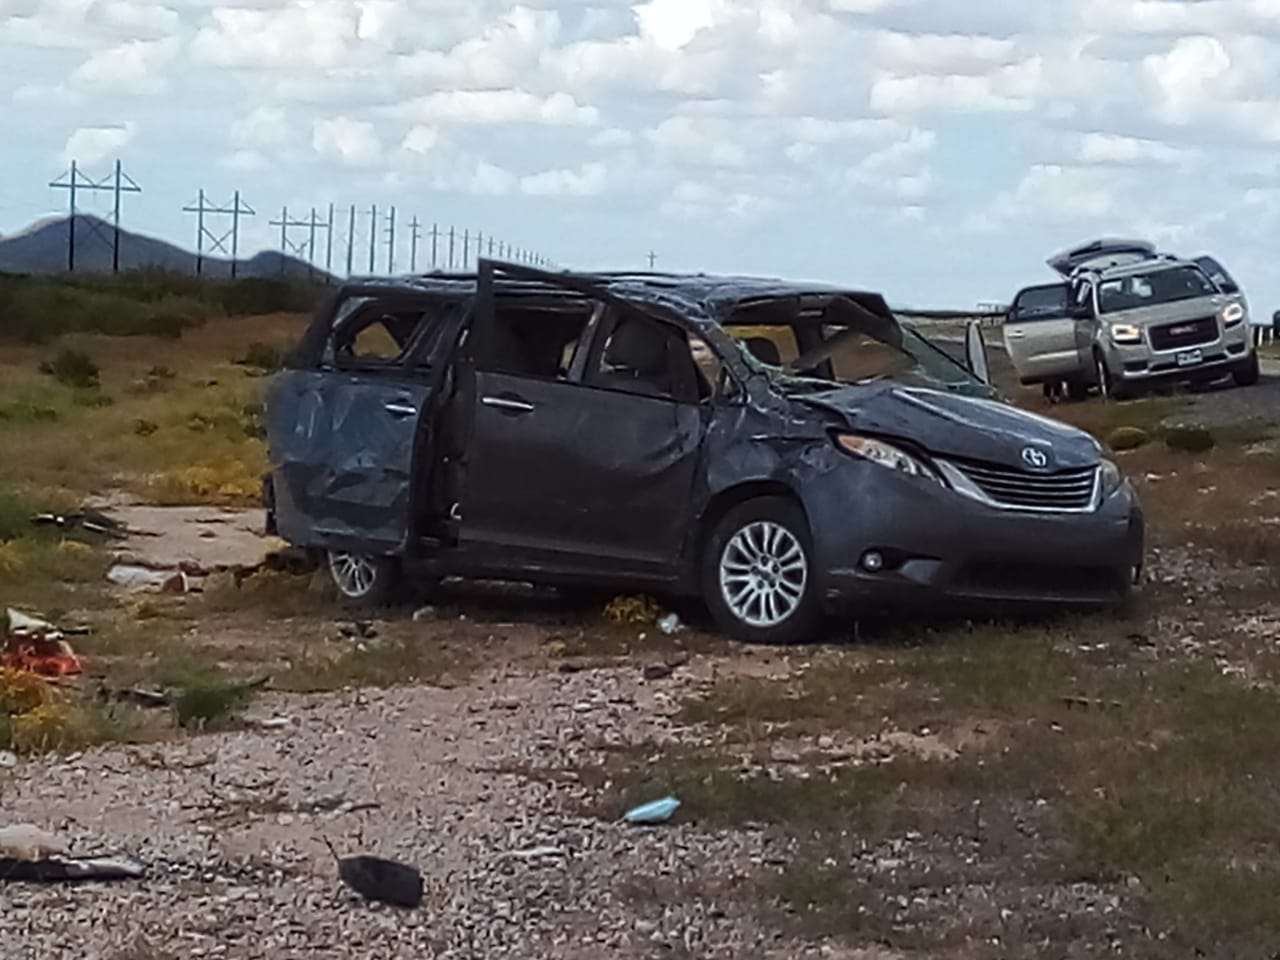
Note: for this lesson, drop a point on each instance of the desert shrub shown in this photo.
(72, 368)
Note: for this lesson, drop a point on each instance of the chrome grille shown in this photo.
(1064, 490)
(1188, 333)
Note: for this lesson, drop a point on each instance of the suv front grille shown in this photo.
(1187, 333)
(1066, 490)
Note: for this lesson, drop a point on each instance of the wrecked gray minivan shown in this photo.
(783, 451)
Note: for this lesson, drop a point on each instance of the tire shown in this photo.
(1077, 391)
(763, 547)
(1107, 387)
(363, 580)
(1247, 373)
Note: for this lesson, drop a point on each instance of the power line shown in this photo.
(218, 241)
(117, 183)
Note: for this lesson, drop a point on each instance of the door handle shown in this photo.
(1017, 334)
(515, 406)
(401, 409)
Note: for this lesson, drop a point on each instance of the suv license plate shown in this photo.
(1189, 358)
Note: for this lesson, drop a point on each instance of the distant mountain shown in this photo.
(42, 248)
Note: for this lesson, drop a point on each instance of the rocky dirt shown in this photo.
(232, 828)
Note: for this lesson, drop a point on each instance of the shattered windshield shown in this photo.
(847, 346)
(1153, 288)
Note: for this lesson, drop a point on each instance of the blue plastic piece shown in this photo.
(659, 811)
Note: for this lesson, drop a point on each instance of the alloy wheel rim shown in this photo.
(763, 574)
(354, 574)
(1104, 379)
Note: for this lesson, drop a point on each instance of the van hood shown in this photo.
(949, 425)
(1162, 313)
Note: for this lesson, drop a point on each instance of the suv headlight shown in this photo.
(1112, 478)
(885, 455)
(1232, 315)
(1125, 333)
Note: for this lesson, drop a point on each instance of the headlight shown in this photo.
(1232, 314)
(1112, 478)
(885, 455)
(1125, 333)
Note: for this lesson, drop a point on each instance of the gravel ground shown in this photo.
(231, 827)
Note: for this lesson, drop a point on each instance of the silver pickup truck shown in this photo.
(1126, 316)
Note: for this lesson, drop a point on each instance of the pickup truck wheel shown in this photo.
(758, 575)
(364, 580)
(1107, 386)
(1077, 390)
(1247, 373)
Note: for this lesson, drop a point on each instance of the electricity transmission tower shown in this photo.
(117, 183)
(415, 234)
(290, 247)
(218, 241)
(391, 243)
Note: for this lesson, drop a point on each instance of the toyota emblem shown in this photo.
(1034, 458)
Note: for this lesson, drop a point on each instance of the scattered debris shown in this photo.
(26, 841)
(89, 520)
(38, 647)
(657, 671)
(538, 853)
(8, 760)
(140, 579)
(671, 624)
(659, 811)
(1085, 703)
(383, 881)
(269, 723)
(70, 869)
(424, 614)
(144, 698)
(360, 629)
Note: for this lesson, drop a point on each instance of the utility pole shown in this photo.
(118, 183)
(653, 259)
(466, 248)
(328, 246)
(311, 244)
(414, 234)
(218, 241)
(287, 247)
(391, 244)
(351, 238)
(435, 243)
(479, 248)
(491, 248)
(373, 238)
(451, 249)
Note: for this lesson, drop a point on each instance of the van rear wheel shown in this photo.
(364, 580)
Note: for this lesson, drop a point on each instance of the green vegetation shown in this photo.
(137, 303)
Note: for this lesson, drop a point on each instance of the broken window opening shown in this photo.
(649, 358)
(535, 340)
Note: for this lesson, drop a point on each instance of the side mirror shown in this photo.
(975, 352)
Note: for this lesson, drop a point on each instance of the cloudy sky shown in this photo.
(932, 149)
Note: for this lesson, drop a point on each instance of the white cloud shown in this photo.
(698, 141)
(421, 140)
(612, 138)
(1007, 88)
(262, 127)
(673, 24)
(245, 161)
(938, 55)
(1188, 75)
(1111, 148)
(481, 107)
(130, 68)
(587, 181)
(1052, 194)
(90, 145)
(351, 142)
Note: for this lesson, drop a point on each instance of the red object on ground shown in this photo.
(47, 658)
